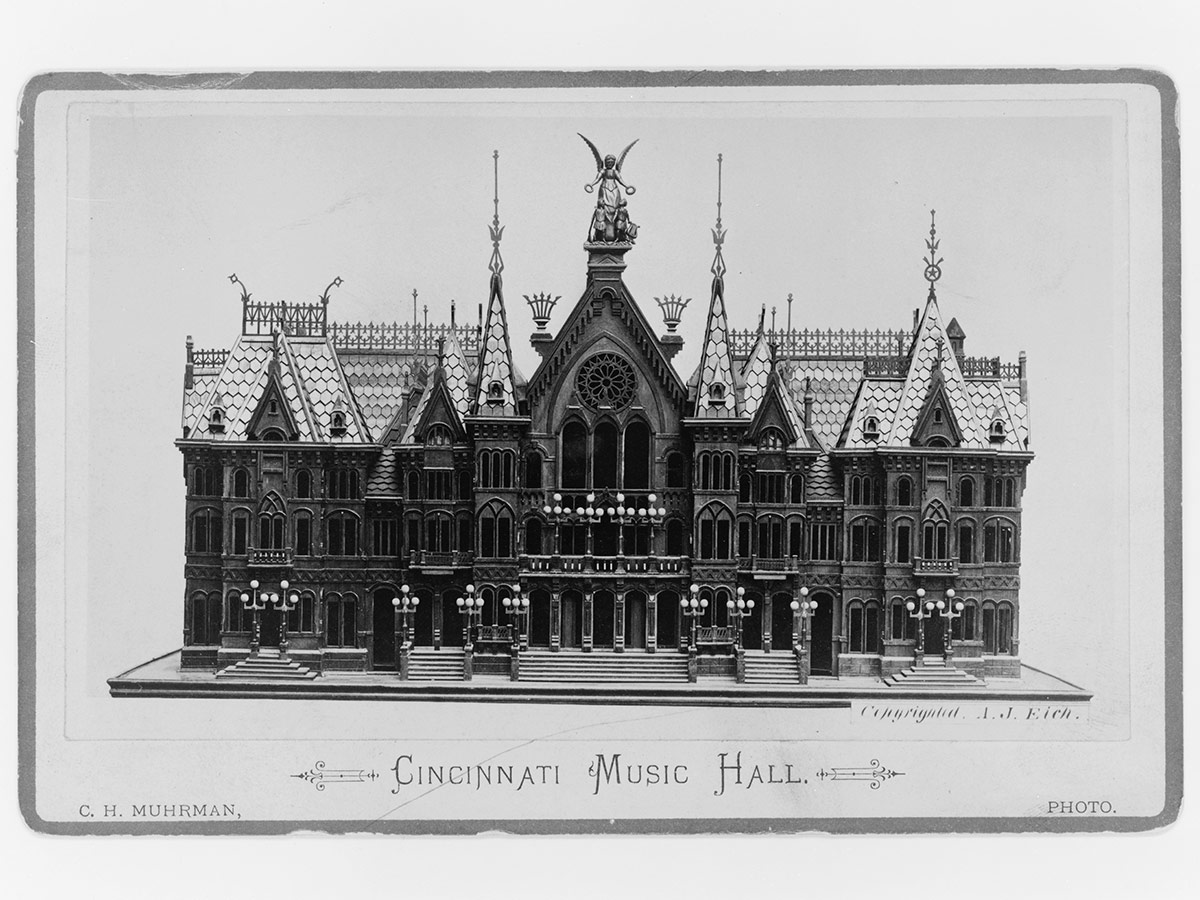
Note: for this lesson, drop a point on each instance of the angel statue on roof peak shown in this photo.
(610, 221)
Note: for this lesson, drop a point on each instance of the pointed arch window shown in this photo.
(935, 534)
(604, 455)
(716, 532)
(637, 456)
(574, 455)
(495, 531)
(271, 521)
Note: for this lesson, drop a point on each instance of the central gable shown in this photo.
(605, 310)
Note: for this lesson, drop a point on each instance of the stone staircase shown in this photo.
(267, 665)
(603, 666)
(771, 668)
(427, 664)
(932, 673)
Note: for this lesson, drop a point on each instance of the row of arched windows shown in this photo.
(605, 457)
(771, 487)
(714, 470)
(496, 468)
(866, 490)
(342, 483)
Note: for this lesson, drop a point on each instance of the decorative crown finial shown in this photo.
(933, 262)
(672, 310)
(496, 230)
(718, 233)
(541, 306)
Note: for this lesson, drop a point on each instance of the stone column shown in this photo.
(556, 621)
(652, 621)
(619, 624)
(587, 621)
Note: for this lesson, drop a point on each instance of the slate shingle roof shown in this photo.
(379, 382)
(834, 383)
(822, 483)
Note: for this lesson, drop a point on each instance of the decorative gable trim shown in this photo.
(273, 411)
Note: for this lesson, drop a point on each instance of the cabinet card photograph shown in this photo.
(611, 452)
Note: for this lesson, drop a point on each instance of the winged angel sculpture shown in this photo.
(610, 222)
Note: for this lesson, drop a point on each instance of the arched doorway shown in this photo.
(383, 618)
(571, 620)
(752, 625)
(667, 619)
(603, 619)
(821, 632)
(935, 635)
(268, 632)
(635, 620)
(781, 621)
(539, 618)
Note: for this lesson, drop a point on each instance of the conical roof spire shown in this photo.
(496, 394)
(716, 396)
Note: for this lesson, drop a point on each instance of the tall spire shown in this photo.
(716, 394)
(496, 394)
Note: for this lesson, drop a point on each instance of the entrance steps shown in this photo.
(267, 664)
(932, 673)
(603, 666)
(771, 668)
(427, 664)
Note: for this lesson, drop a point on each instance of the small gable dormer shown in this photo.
(272, 419)
(997, 430)
(936, 425)
(216, 416)
(337, 419)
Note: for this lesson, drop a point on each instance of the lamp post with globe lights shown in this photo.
(920, 610)
(284, 603)
(693, 607)
(950, 609)
(256, 603)
(406, 607)
(516, 608)
(738, 610)
(802, 609)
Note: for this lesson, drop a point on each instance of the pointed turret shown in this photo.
(756, 373)
(496, 394)
(934, 403)
(716, 397)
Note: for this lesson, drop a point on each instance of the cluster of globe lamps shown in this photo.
(594, 512)
(931, 605)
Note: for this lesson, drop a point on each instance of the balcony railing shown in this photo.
(456, 559)
(763, 564)
(923, 566)
(714, 634)
(494, 634)
(270, 557)
(628, 565)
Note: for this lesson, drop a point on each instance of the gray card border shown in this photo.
(452, 80)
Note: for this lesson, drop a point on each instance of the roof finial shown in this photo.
(233, 279)
(452, 302)
(496, 230)
(933, 262)
(718, 266)
(337, 282)
(789, 303)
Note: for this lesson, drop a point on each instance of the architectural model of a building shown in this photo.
(401, 498)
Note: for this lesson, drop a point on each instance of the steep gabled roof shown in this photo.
(716, 392)
(496, 394)
(756, 373)
(931, 354)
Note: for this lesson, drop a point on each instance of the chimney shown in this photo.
(808, 405)
(189, 380)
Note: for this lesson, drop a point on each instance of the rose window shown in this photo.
(606, 380)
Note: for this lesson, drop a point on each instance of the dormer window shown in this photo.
(771, 439)
(937, 415)
(871, 428)
(337, 424)
(438, 436)
(495, 393)
(216, 420)
(997, 432)
(716, 394)
(273, 407)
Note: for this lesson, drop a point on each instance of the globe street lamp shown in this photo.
(738, 610)
(406, 604)
(950, 609)
(516, 607)
(693, 607)
(469, 606)
(920, 610)
(284, 603)
(253, 601)
(802, 609)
